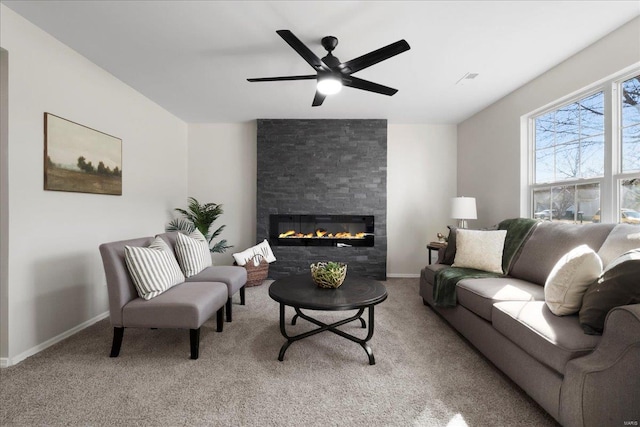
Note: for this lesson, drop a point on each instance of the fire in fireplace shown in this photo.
(321, 230)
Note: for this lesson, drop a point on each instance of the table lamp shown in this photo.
(462, 209)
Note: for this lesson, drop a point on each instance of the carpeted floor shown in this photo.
(425, 375)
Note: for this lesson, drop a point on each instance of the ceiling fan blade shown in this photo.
(318, 99)
(357, 83)
(374, 57)
(277, 79)
(302, 50)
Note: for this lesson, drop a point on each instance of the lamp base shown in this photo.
(462, 223)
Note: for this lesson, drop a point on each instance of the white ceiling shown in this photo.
(193, 57)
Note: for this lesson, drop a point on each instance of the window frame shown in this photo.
(610, 181)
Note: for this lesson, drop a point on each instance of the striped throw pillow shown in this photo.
(153, 269)
(193, 253)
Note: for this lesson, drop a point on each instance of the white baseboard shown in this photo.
(6, 362)
(403, 275)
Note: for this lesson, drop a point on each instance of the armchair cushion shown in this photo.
(185, 306)
(153, 269)
(193, 253)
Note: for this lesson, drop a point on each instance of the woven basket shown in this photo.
(328, 278)
(256, 274)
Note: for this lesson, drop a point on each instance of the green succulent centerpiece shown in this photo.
(328, 274)
(202, 217)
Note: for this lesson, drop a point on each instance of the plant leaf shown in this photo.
(217, 232)
(180, 224)
(220, 247)
(202, 217)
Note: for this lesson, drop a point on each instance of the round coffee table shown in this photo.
(300, 292)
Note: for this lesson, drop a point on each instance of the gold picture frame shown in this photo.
(80, 159)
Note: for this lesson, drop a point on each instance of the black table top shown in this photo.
(301, 291)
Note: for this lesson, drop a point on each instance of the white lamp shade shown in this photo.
(463, 208)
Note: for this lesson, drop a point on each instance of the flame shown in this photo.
(321, 233)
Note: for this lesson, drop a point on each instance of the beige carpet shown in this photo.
(425, 375)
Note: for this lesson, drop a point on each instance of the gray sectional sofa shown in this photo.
(184, 306)
(580, 379)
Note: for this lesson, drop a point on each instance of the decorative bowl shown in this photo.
(328, 274)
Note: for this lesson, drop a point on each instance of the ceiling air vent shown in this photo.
(467, 76)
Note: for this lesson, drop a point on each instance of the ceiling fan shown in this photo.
(333, 74)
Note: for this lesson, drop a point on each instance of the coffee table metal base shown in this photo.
(328, 327)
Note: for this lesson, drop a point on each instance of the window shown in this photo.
(630, 124)
(585, 156)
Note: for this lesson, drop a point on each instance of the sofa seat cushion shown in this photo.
(550, 339)
(233, 277)
(187, 305)
(479, 295)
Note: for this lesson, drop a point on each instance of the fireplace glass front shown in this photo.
(321, 230)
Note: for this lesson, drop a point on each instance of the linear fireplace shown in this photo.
(321, 230)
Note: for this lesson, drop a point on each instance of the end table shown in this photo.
(435, 246)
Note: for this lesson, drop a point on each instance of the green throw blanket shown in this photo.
(444, 288)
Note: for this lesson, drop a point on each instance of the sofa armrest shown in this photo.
(603, 388)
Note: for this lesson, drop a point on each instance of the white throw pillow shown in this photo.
(481, 250)
(154, 269)
(193, 253)
(262, 248)
(570, 278)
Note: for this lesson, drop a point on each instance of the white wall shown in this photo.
(56, 279)
(4, 198)
(489, 143)
(223, 169)
(421, 180)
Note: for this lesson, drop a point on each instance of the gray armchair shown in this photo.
(234, 277)
(184, 306)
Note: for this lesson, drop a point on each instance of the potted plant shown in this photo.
(201, 217)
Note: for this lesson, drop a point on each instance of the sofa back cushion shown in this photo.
(549, 242)
(622, 238)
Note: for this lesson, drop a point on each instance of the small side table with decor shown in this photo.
(435, 246)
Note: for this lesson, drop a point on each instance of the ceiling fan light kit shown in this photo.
(329, 85)
(332, 74)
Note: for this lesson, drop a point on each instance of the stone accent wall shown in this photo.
(328, 167)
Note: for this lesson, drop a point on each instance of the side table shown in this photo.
(435, 246)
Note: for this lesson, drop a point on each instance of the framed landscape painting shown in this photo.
(80, 159)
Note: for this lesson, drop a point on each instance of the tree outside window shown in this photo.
(630, 121)
(569, 147)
